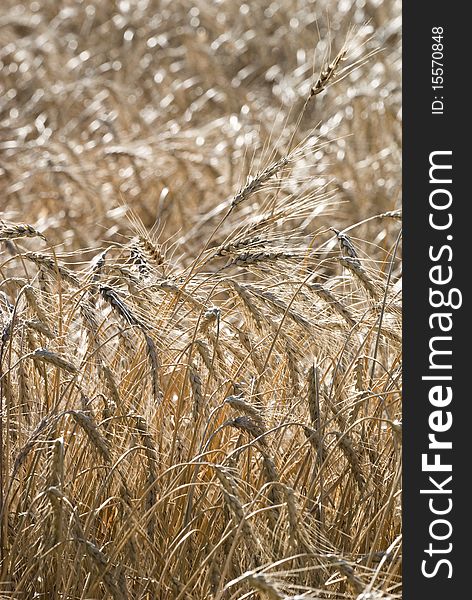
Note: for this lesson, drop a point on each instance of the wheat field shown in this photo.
(200, 299)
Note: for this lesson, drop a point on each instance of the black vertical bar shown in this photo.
(436, 568)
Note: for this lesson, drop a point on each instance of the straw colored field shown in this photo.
(200, 299)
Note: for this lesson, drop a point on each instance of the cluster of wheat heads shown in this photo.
(199, 431)
(209, 408)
